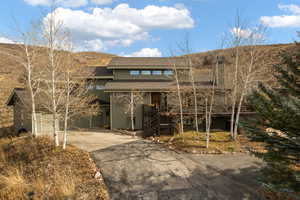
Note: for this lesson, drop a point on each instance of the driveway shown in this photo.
(98, 139)
(139, 169)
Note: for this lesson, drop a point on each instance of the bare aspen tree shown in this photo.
(78, 100)
(28, 57)
(185, 48)
(178, 89)
(249, 73)
(208, 112)
(55, 38)
(237, 32)
(129, 101)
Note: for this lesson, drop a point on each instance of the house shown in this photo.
(152, 78)
(21, 102)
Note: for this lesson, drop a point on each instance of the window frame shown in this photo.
(146, 74)
(138, 72)
(157, 74)
(168, 74)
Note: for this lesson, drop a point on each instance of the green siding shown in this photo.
(122, 121)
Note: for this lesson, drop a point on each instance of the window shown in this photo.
(168, 72)
(99, 87)
(156, 72)
(134, 72)
(146, 72)
(90, 86)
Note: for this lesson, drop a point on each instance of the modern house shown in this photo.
(151, 78)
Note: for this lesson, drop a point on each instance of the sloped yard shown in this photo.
(33, 168)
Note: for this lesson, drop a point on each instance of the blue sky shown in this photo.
(152, 27)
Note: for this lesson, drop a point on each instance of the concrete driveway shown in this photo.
(98, 139)
(136, 169)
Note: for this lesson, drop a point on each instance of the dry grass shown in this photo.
(220, 142)
(32, 168)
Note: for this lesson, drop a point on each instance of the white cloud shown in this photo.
(102, 2)
(91, 45)
(6, 40)
(122, 25)
(251, 34)
(292, 20)
(290, 8)
(242, 33)
(146, 52)
(64, 3)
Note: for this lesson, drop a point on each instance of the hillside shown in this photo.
(10, 70)
(33, 168)
(265, 57)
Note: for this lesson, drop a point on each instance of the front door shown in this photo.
(156, 99)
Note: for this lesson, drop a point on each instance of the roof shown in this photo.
(147, 62)
(149, 86)
(101, 72)
(21, 94)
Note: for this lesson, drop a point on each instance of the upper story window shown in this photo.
(156, 72)
(168, 72)
(134, 72)
(146, 72)
(100, 87)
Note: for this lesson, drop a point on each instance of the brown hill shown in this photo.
(10, 71)
(265, 57)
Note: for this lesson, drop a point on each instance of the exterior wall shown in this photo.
(44, 124)
(101, 120)
(22, 118)
(124, 74)
(119, 120)
(100, 92)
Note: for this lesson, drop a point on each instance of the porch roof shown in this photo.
(163, 86)
(138, 85)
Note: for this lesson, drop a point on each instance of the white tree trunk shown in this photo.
(179, 99)
(243, 92)
(209, 114)
(66, 111)
(195, 96)
(206, 123)
(53, 92)
(234, 93)
(33, 109)
(132, 110)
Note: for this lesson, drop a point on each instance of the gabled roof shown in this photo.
(19, 93)
(147, 62)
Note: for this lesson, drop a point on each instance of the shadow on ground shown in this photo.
(144, 170)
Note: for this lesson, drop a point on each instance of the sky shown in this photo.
(153, 27)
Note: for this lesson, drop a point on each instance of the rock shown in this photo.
(98, 176)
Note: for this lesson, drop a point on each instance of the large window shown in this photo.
(168, 72)
(156, 72)
(146, 72)
(134, 72)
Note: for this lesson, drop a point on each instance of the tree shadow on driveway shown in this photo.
(145, 170)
